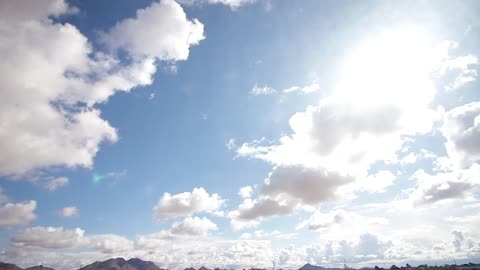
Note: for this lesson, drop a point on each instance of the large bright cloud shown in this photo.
(48, 117)
(187, 203)
(381, 100)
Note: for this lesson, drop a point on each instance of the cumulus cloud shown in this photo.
(442, 186)
(461, 128)
(307, 89)
(55, 183)
(69, 211)
(160, 31)
(187, 203)
(381, 99)
(262, 90)
(48, 237)
(254, 209)
(193, 226)
(109, 243)
(17, 213)
(64, 76)
(309, 185)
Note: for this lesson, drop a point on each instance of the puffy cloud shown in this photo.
(261, 90)
(264, 207)
(55, 183)
(48, 117)
(461, 128)
(187, 203)
(459, 184)
(309, 185)
(17, 213)
(307, 89)
(370, 244)
(193, 226)
(48, 237)
(245, 192)
(160, 31)
(109, 243)
(69, 211)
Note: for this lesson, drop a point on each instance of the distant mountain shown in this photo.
(39, 267)
(120, 264)
(311, 267)
(316, 267)
(9, 266)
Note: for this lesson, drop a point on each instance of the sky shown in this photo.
(237, 133)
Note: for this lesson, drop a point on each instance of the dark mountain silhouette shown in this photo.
(39, 267)
(311, 267)
(9, 266)
(122, 264)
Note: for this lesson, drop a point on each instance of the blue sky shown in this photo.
(232, 133)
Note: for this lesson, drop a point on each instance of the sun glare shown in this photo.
(390, 67)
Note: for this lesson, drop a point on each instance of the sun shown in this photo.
(392, 66)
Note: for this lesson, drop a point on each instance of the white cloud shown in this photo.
(109, 243)
(309, 185)
(319, 220)
(413, 157)
(262, 90)
(465, 67)
(445, 186)
(187, 203)
(231, 144)
(48, 237)
(233, 4)
(17, 213)
(193, 226)
(461, 128)
(375, 183)
(381, 99)
(48, 117)
(55, 183)
(69, 211)
(307, 89)
(160, 31)
(264, 207)
(245, 192)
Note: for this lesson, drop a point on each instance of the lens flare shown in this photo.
(97, 178)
